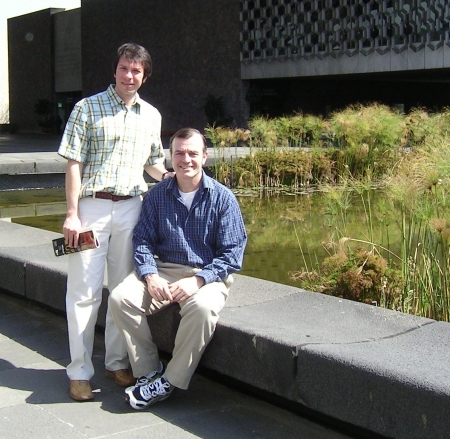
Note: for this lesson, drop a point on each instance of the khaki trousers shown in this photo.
(130, 303)
(114, 223)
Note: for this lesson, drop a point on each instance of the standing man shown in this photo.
(194, 226)
(109, 139)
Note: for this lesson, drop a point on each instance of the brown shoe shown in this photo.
(122, 377)
(80, 390)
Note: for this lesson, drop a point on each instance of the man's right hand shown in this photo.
(71, 230)
(158, 288)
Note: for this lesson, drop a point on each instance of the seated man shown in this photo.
(189, 239)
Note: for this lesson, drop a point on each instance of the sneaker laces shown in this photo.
(143, 380)
(158, 387)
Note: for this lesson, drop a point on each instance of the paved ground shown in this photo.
(34, 400)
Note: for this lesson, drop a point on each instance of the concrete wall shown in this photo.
(194, 46)
(67, 37)
(30, 47)
(344, 65)
(336, 37)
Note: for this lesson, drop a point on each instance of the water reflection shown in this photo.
(296, 232)
(286, 232)
(41, 208)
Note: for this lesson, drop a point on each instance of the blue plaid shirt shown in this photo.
(210, 236)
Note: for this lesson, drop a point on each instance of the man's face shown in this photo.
(188, 157)
(129, 78)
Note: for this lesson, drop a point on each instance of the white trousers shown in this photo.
(130, 303)
(114, 223)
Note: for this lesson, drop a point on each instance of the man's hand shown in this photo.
(168, 174)
(158, 288)
(71, 230)
(185, 288)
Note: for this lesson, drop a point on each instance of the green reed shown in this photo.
(405, 264)
(422, 189)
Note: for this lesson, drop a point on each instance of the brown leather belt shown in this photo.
(110, 196)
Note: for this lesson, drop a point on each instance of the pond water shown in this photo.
(286, 232)
(292, 232)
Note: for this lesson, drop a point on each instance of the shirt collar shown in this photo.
(205, 184)
(117, 100)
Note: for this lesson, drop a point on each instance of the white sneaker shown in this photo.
(141, 397)
(143, 380)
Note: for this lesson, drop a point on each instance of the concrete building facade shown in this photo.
(269, 57)
(319, 55)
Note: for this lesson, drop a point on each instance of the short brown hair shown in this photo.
(187, 133)
(134, 53)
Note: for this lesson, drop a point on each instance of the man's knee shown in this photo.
(204, 311)
(201, 310)
(115, 298)
(211, 300)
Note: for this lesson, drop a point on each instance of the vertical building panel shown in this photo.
(30, 52)
(67, 38)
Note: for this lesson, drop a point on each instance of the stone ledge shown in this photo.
(380, 370)
(17, 168)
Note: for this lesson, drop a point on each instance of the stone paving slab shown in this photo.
(34, 400)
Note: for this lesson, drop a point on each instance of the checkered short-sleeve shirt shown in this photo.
(113, 142)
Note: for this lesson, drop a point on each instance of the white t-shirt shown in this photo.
(188, 197)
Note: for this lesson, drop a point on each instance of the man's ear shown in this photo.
(143, 80)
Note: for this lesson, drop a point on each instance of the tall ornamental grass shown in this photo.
(352, 152)
(367, 139)
(421, 188)
(423, 126)
(354, 142)
(359, 263)
(300, 130)
(405, 263)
